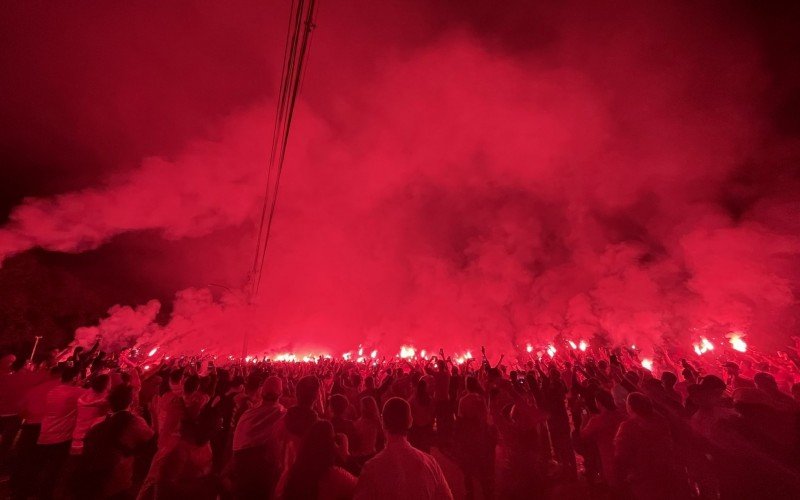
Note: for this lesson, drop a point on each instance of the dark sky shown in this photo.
(90, 89)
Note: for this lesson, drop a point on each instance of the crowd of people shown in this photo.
(591, 423)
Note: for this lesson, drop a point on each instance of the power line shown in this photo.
(301, 26)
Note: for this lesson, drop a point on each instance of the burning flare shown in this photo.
(737, 342)
(407, 352)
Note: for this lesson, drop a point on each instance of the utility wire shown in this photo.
(295, 55)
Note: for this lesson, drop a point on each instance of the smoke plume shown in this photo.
(455, 192)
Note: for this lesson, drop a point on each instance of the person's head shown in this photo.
(668, 380)
(369, 382)
(731, 368)
(307, 391)
(473, 385)
(473, 408)
(99, 383)
(640, 405)
(369, 408)
(355, 380)
(713, 384)
(339, 404)
(604, 400)
(191, 384)
(272, 389)
(397, 416)
(69, 374)
(120, 397)
(765, 382)
(688, 375)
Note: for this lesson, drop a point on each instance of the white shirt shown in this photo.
(402, 472)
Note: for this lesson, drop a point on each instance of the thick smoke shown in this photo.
(462, 194)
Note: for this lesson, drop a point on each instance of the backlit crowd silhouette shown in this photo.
(591, 423)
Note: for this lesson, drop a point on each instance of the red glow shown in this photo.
(572, 198)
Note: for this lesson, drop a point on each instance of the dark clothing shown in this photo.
(53, 458)
(474, 445)
(255, 473)
(25, 467)
(299, 420)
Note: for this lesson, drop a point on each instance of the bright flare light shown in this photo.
(647, 364)
(703, 347)
(373, 354)
(529, 348)
(407, 352)
(572, 345)
(152, 351)
(735, 338)
(551, 351)
(582, 345)
(346, 356)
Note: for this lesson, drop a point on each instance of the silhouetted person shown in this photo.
(341, 424)
(644, 454)
(423, 413)
(55, 438)
(369, 430)
(401, 471)
(186, 471)
(474, 443)
(601, 429)
(257, 446)
(106, 466)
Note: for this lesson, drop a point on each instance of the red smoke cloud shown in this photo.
(455, 194)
